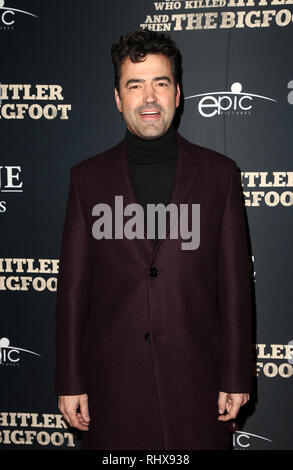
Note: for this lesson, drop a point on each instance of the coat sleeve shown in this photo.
(72, 297)
(234, 294)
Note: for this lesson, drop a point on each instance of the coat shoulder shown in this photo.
(207, 157)
(90, 164)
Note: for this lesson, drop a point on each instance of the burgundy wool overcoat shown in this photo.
(150, 332)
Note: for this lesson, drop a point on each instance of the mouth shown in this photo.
(152, 115)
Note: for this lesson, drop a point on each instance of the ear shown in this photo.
(118, 100)
(177, 95)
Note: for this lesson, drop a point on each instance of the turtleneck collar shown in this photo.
(148, 151)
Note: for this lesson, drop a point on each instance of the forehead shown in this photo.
(153, 65)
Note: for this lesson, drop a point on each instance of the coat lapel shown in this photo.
(186, 172)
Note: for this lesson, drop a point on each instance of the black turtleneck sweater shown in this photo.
(152, 165)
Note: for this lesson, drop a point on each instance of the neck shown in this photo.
(142, 151)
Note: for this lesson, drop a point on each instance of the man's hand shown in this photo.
(68, 405)
(230, 402)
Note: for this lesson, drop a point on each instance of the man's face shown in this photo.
(148, 98)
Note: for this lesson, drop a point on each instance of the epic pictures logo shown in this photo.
(246, 440)
(10, 355)
(234, 102)
(8, 16)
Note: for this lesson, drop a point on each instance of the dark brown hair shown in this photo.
(136, 45)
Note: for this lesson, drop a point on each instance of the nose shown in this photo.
(149, 95)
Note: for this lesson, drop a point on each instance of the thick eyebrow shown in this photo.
(164, 77)
(134, 80)
(141, 80)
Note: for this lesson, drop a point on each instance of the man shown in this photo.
(153, 341)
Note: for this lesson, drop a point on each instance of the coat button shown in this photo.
(147, 337)
(153, 272)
